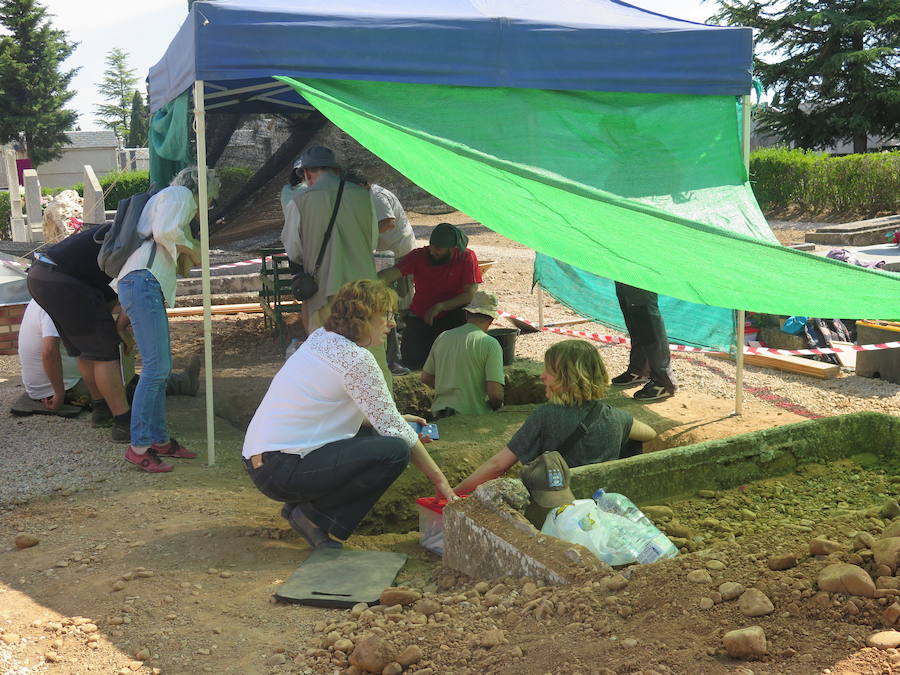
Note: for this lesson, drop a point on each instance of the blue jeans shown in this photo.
(142, 300)
(335, 485)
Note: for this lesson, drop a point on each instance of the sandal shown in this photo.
(173, 449)
(148, 462)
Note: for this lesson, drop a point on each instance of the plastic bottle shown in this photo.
(652, 544)
(291, 348)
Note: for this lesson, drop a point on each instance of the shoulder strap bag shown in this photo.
(305, 285)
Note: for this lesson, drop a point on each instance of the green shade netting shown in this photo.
(170, 148)
(496, 155)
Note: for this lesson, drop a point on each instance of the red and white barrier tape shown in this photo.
(613, 339)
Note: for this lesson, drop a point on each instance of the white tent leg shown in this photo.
(540, 302)
(200, 119)
(739, 314)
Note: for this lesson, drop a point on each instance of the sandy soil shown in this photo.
(175, 573)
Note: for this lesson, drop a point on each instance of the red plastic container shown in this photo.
(431, 523)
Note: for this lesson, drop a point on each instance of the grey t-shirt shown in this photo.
(548, 427)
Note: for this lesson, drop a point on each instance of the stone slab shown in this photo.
(226, 283)
(883, 364)
(94, 207)
(858, 233)
(486, 538)
(341, 578)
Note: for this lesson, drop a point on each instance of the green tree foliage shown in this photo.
(834, 66)
(117, 87)
(34, 90)
(139, 124)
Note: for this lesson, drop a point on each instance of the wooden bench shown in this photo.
(275, 297)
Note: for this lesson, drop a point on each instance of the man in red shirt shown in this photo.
(446, 275)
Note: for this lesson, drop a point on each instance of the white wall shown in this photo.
(69, 169)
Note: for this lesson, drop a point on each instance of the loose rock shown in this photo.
(699, 577)
(782, 562)
(410, 656)
(823, 547)
(745, 643)
(846, 578)
(753, 602)
(731, 590)
(372, 654)
(886, 639)
(398, 596)
(25, 540)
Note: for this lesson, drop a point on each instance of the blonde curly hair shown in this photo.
(580, 372)
(355, 303)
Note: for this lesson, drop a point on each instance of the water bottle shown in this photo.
(291, 348)
(652, 544)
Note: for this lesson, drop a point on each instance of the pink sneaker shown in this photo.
(149, 461)
(173, 449)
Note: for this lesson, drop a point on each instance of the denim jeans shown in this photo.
(142, 300)
(335, 485)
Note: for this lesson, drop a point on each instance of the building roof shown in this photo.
(92, 139)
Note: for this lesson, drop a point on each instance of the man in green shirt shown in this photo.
(465, 364)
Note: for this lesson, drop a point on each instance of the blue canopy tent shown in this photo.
(352, 61)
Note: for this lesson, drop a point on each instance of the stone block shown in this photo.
(94, 207)
(485, 538)
(33, 212)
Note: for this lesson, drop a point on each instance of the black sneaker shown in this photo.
(101, 416)
(629, 379)
(652, 392)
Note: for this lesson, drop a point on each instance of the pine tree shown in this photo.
(34, 89)
(834, 66)
(117, 87)
(139, 124)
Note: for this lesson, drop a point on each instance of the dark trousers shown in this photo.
(418, 336)
(650, 354)
(337, 484)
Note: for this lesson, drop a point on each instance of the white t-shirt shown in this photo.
(400, 239)
(36, 325)
(322, 394)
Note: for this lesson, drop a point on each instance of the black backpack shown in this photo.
(122, 239)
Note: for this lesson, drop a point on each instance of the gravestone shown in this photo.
(93, 205)
(33, 213)
(16, 218)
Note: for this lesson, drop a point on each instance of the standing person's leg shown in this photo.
(650, 335)
(330, 490)
(638, 366)
(659, 356)
(418, 337)
(142, 299)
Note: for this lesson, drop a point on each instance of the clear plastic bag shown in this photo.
(612, 538)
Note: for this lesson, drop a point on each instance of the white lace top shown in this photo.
(322, 394)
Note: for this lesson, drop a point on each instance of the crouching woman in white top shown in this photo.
(307, 445)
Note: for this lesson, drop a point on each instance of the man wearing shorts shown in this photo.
(68, 283)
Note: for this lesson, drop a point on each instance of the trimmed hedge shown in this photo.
(862, 185)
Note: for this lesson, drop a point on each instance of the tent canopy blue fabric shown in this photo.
(236, 46)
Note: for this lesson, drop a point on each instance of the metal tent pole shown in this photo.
(200, 120)
(739, 314)
(540, 302)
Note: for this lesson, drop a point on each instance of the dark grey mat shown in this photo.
(24, 405)
(341, 578)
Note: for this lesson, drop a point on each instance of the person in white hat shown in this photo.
(465, 364)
